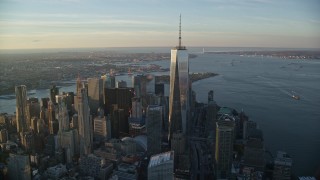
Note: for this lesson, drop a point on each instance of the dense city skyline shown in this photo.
(79, 23)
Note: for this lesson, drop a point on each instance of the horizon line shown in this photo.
(196, 46)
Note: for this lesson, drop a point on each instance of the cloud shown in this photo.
(80, 23)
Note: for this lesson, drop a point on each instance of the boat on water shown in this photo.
(295, 96)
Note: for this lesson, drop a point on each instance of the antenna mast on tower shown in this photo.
(180, 32)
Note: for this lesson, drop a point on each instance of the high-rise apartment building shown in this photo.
(179, 89)
(224, 147)
(154, 128)
(21, 108)
(85, 124)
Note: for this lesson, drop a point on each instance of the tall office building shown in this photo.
(143, 84)
(21, 108)
(63, 116)
(95, 94)
(67, 142)
(253, 157)
(119, 124)
(248, 128)
(161, 166)
(51, 117)
(282, 166)
(53, 92)
(27, 141)
(34, 123)
(3, 135)
(123, 98)
(154, 128)
(138, 84)
(100, 126)
(85, 124)
(19, 167)
(41, 126)
(136, 110)
(109, 81)
(33, 109)
(212, 114)
(178, 143)
(150, 83)
(179, 89)
(44, 102)
(224, 147)
(121, 84)
(211, 97)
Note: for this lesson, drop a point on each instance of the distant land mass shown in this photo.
(288, 54)
(41, 70)
(193, 77)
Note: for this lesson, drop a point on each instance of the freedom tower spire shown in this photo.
(179, 89)
(180, 32)
(180, 47)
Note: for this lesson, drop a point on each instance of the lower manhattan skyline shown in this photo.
(151, 89)
(212, 23)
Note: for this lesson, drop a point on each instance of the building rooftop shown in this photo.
(307, 178)
(158, 159)
(141, 140)
(128, 168)
(283, 159)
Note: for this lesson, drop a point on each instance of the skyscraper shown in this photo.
(84, 120)
(123, 98)
(154, 127)
(136, 110)
(224, 147)
(19, 167)
(100, 127)
(54, 90)
(95, 93)
(21, 108)
(179, 88)
(161, 166)
(63, 116)
(32, 110)
(109, 81)
(51, 116)
(282, 166)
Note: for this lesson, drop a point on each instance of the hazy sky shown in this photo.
(134, 23)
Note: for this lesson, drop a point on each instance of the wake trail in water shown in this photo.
(274, 85)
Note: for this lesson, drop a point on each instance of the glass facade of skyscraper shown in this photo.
(179, 90)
